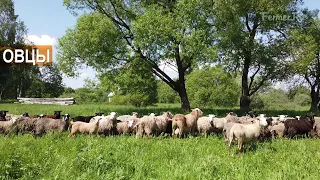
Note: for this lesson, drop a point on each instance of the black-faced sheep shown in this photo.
(3, 114)
(44, 125)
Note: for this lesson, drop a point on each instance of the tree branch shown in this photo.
(247, 23)
(257, 87)
(253, 76)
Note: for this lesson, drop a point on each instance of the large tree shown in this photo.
(177, 32)
(305, 51)
(251, 37)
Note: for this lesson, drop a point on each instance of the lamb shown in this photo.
(7, 126)
(128, 117)
(303, 126)
(107, 124)
(246, 133)
(205, 124)
(45, 125)
(186, 123)
(85, 128)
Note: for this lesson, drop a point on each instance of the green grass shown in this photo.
(55, 156)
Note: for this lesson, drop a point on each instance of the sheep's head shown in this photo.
(197, 112)
(66, 117)
(130, 123)
(262, 115)
(168, 115)
(211, 117)
(42, 116)
(298, 117)
(282, 117)
(135, 114)
(113, 115)
(57, 112)
(263, 121)
(152, 114)
(25, 114)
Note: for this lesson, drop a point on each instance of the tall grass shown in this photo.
(55, 156)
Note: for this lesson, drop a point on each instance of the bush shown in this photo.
(136, 100)
(302, 99)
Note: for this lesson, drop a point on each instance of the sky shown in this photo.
(47, 21)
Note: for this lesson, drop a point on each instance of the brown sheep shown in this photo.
(186, 123)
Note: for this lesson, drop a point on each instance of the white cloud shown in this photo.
(41, 40)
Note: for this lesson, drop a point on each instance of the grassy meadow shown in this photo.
(55, 156)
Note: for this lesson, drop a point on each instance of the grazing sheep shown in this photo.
(107, 124)
(133, 115)
(245, 133)
(299, 127)
(147, 125)
(44, 125)
(316, 126)
(82, 118)
(277, 130)
(7, 126)
(163, 122)
(218, 124)
(186, 123)
(205, 124)
(85, 128)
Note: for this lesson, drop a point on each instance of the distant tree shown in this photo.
(212, 86)
(166, 94)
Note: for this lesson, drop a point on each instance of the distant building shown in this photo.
(110, 95)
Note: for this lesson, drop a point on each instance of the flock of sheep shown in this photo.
(244, 129)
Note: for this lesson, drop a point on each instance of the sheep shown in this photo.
(218, 124)
(277, 130)
(146, 125)
(226, 130)
(82, 118)
(26, 124)
(8, 126)
(56, 115)
(3, 115)
(316, 126)
(99, 114)
(205, 124)
(128, 117)
(186, 123)
(232, 117)
(295, 127)
(245, 133)
(163, 122)
(125, 127)
(45, 125)
(85, 128)
(107, 124)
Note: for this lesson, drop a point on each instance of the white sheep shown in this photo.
(128, 117)
(163, 122)
(146, 125)
(277, 130)
(245, 133)
(7, 126)
(226, 130)
(107, 124)
(85, 128)
(205, 124)
(125, 127)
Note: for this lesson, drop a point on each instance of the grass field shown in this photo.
(55, 156)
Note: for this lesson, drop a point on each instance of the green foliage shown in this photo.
(302, 99)
(166, 94)
(212, 86)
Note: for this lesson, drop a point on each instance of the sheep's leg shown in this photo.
(230, 143)
(239, 146)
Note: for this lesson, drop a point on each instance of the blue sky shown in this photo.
(47, 21)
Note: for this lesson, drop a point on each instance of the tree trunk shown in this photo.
(314, 100)
(185, 104)
(245, 96)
